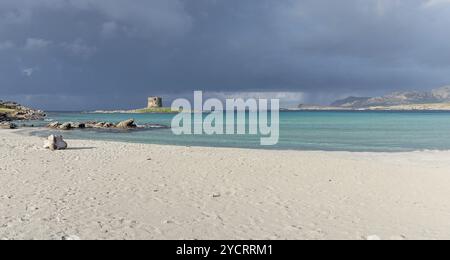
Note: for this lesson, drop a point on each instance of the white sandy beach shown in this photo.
(105, 190)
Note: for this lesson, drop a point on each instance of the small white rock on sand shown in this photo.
(104, 190)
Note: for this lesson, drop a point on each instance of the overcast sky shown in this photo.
(105, 54)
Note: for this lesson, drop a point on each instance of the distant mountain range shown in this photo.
(436, 96)
(437, 99)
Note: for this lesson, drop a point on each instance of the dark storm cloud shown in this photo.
(112, 53)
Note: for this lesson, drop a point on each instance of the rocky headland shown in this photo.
(12, 111)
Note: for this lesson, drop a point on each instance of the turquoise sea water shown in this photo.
(330, 131)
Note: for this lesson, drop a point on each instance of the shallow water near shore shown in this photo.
(320, 131)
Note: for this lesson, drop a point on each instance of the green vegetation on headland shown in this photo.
(154, 110)
(6, 110)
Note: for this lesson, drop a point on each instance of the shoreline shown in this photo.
(109, 190)
(28, 131)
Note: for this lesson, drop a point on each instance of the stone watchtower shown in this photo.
(154, 102)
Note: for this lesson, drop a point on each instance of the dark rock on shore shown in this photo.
(66, 126)
(124, 125)
(79, 125)
(8, 125)
(4, 117)
(128, 124)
